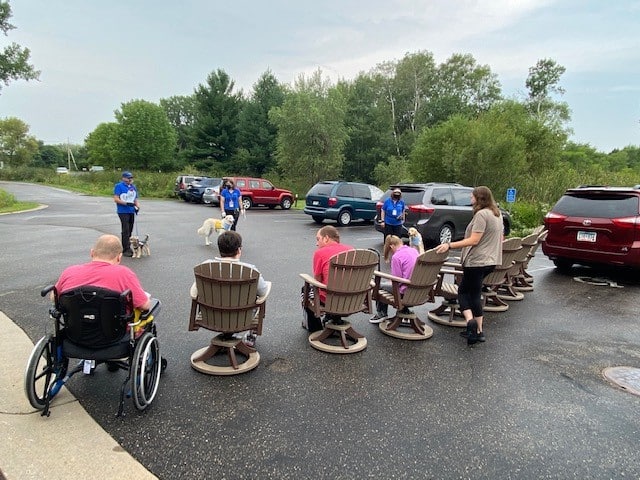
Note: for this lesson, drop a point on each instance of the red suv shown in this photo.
(258, 191)
(594, 225)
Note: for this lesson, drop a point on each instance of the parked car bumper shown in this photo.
(629, 258)
(326, 213)
(211, 199)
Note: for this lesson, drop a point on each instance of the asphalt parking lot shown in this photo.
(531, 402)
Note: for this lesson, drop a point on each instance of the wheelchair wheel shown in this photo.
(146, 367)
(41, 371)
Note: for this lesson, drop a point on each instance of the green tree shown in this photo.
(14, 59)
(542, 82)
(256, 134)
(17, 147)
(49, 156)
(181, 112)
(311, 130)
(214, 134)
(369, 126)
(482, 151)
(102, 145)
(462, 88)
(144, 138)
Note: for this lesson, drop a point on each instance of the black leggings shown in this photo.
(470, 288)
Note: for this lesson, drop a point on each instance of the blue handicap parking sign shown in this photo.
(511, 195)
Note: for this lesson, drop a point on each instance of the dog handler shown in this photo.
(392, 214)
(231, 201)
(125, 195)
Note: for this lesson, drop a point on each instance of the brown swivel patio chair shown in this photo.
(420, 290)
(492, 282)
(508, 291)
(227, 304)
(448, 313)
(524, 280)
(348, 291)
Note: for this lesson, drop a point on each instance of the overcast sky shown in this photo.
(96, 55)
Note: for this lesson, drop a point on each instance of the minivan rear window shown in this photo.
(321, 189)
(597, 206)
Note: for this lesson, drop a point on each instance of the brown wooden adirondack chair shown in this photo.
(493, 281)
(420, 290)
(448, 313)
(508, 291)
(227, 304)
(348, 291)
(524, 280)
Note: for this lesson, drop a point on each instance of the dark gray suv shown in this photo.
(439, 211)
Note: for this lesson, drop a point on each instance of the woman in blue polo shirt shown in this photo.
(392, 214)
(231, 201)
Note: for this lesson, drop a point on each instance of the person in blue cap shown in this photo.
(126, 197)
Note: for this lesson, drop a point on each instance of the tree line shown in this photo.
(406, 120)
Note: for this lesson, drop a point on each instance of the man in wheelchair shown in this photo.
(101, 314)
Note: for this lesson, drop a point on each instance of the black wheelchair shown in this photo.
(98, 326)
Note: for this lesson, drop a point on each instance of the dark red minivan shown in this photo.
(594, 225)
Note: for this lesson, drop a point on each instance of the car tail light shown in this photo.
(421, 209)
(554, 218)
(626, 222)
(332, 201)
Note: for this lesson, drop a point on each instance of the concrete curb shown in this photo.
(68, 444)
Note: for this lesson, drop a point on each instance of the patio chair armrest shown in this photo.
(393, 278)
(261, 299)
(451, 264)
(312, 281)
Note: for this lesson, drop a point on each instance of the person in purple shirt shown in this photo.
(403, 260)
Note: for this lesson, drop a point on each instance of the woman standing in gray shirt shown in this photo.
(481, 252)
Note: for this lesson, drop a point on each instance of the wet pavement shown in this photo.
(531, 402)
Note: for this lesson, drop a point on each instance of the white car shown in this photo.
(62, 170)
(96, 168)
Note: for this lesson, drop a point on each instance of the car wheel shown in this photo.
(344, 218)
(285, 203)
(317, 219)
(563, 264)
(446, 233)
(246, 203)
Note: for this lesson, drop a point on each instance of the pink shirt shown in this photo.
(105, 275)
(402, 263)
(321, 259)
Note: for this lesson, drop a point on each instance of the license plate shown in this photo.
(316, 202)
(587, 236)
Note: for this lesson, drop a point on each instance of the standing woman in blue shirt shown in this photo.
(231, 201)
(126, 197)
(392, 214)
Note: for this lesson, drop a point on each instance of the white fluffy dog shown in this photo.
(217, 225)
(140, 247)
(415, 240)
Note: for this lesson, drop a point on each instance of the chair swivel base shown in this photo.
(493, 303)
(230, 346)
(346, 333)
(415, 329)
(510, 294)
(449, 314)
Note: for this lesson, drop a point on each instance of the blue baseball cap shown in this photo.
(127, 175)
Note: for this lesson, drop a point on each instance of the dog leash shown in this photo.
(135, 224)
